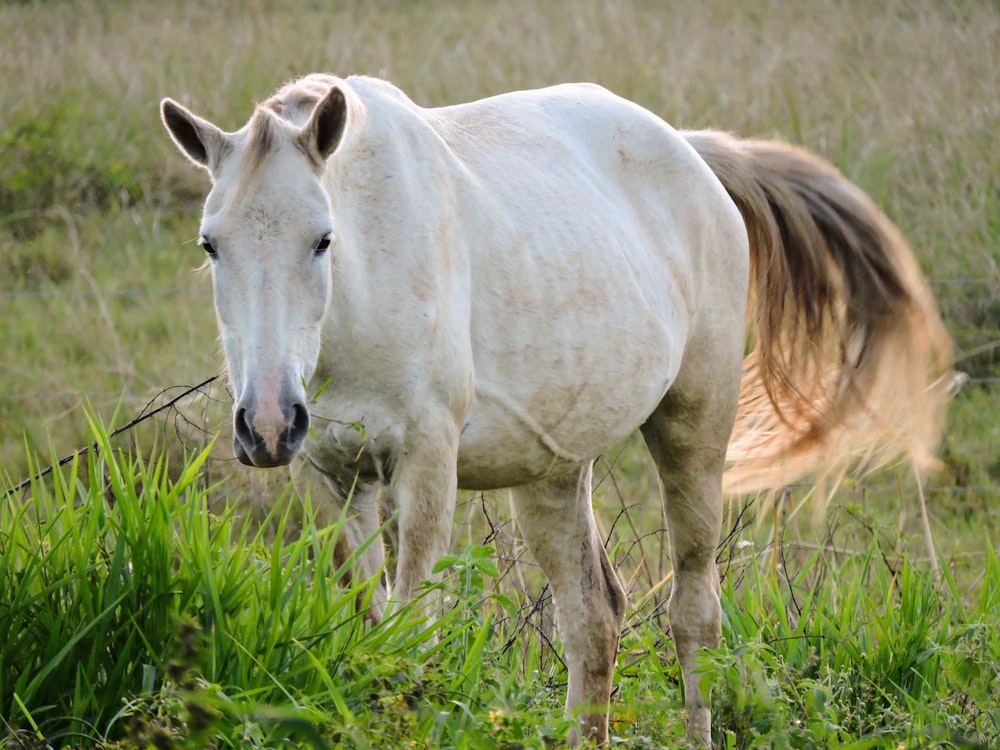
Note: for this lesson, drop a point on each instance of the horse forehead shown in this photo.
(277, 196)
(263, 222)
(283, 177)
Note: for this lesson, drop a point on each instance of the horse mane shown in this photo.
(296, 100)
(293, 103)
(262, 141)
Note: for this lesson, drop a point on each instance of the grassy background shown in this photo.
(98, 215)
(133, 616)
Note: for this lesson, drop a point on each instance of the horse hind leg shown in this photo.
(687, 437)
(556, 519)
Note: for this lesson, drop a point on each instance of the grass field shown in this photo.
(838, 633)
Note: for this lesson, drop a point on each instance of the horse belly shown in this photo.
(557, 403)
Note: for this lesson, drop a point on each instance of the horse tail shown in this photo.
(848, 364)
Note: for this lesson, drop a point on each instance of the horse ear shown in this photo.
(198, 139)
(321, 135)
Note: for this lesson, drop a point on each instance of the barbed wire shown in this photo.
(535, 612)
(148, 412)
(84, 293)
(151, 409)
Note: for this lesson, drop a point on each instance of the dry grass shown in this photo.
(903, 94)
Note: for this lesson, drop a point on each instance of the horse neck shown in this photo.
(392, 187)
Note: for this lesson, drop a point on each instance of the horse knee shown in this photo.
(598, 622)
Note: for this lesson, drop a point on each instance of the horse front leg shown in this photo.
(356, 509)
(424, 486)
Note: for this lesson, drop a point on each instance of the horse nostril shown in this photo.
(242, 426)
(244, 442)
(300, 424)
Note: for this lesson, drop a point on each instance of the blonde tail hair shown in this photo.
(848, 364)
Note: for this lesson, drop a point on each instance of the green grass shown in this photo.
(131, 613)
(134, 615)
(867, 653)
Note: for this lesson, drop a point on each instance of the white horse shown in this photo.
(496, 292)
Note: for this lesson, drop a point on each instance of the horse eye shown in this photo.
(323, 245)
(207, 246)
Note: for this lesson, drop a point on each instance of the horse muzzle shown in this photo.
(269, 437)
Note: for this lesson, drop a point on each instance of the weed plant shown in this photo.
(132, 616)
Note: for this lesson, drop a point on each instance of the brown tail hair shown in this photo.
(849, 364)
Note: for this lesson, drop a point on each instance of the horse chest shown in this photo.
(350, 450)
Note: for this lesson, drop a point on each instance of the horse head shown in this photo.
(267, 230)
